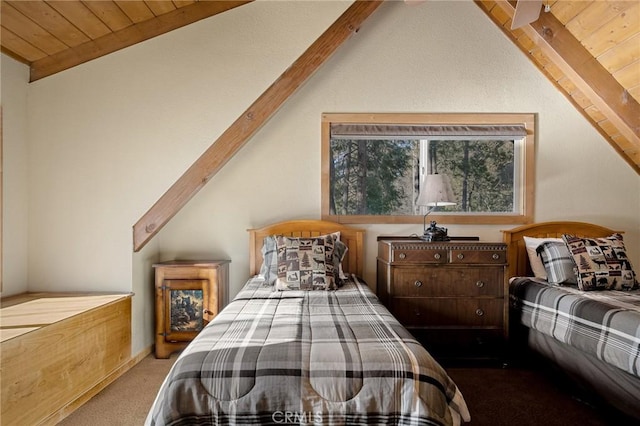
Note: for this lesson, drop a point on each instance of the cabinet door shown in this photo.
(185, 302)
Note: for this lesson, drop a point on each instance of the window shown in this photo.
(374, 166)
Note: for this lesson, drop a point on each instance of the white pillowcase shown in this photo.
(535, 261)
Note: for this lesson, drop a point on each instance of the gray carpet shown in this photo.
(495, 396)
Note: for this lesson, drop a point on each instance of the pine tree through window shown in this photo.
(373, 166)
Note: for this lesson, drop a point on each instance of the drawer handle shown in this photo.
(479, 284)
(460, 256)
(495, 256)
(437, 256)
(402, 255)
(417, 312)
(418, 283)
(479, 312)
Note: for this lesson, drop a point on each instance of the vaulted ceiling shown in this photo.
(51, 36)
(590, 50)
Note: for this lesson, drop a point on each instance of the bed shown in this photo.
(330, 357)
(592, 336)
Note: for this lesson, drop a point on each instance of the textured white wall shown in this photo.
(109, 137)
(14, 83)
(435, 57)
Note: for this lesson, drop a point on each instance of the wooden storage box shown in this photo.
(56, 349)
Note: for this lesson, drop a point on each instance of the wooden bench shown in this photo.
(58, 350)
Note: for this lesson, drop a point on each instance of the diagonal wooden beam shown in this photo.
(237, 135)
(593, 78)
(587, 75)
(129, 36)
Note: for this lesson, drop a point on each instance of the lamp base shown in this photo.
(435, 233)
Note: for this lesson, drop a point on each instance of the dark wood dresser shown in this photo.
(452, 296)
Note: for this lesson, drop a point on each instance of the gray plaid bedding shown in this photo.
(605, 324)
(307, 358)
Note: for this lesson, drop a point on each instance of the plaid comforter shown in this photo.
(605, 324)
(307, 358)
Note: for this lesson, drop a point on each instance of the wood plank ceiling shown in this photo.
(589, 49)
(51, 36)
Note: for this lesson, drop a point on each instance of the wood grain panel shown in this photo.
(182, 3)
(110, 14)
(48, 368)
(17, 48)
(589, 75)
(565, 11)
(621, 55)
(160, 7)
(591, 19)
(80, 16)
(47, 310)
(629, 76)
(17, 23)
(621, 27)
(49, 19)
(595, 113)
(137, 11)
(587, 83)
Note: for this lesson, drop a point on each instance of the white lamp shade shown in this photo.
(436, 191)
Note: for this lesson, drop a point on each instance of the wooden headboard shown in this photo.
(517, 252)
(352, 237)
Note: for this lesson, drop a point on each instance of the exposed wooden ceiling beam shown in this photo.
(241, 130)
(589, 77)
(594, 79)
(129, 36)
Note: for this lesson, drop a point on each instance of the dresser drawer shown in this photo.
(451, 281)
(465, 256)
(431, 256)
(443, 312)
(451, 292)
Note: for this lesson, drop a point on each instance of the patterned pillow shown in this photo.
(557, 262)
(531, 245)
(269, 268)
(602, 263)
(339, 252)
(305, 263)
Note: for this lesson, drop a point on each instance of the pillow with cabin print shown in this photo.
(305, 263)
(601, 263)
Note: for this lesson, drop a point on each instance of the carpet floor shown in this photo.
(495, 396)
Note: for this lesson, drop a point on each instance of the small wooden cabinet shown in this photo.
(452, 296)
(189, 294)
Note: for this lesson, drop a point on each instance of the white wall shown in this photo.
(109, 137)
(14, 84)
(435, 57)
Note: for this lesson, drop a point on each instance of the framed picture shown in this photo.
(184, 305)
